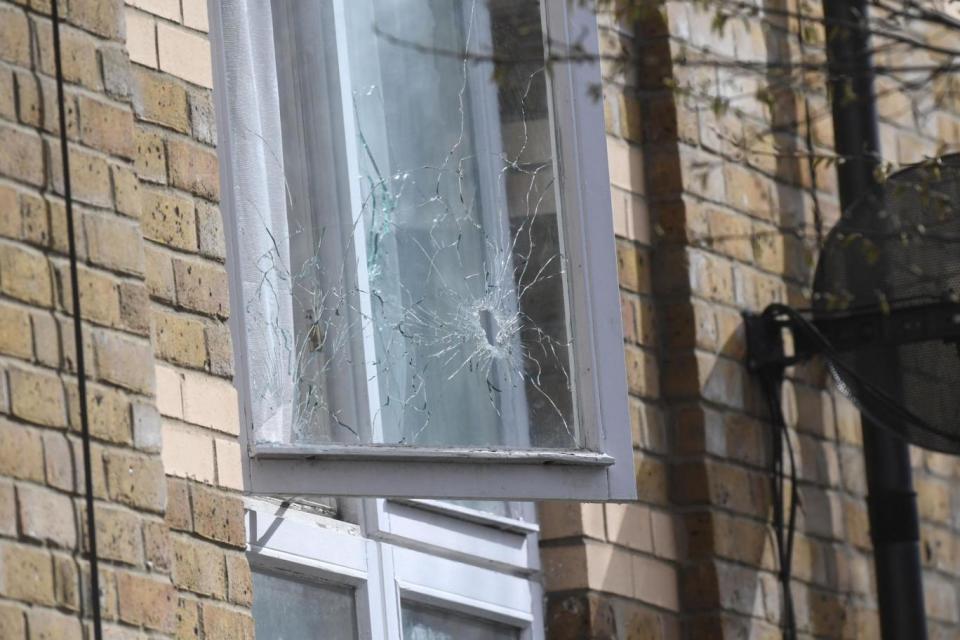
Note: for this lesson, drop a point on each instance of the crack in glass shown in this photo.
(423, 268)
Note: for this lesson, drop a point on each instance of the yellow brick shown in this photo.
(179, 514)
(108, 412)
(655, 582)
(626, 166)
(38, 397)
(26, 573)
(156, 542)
(151, 160)
(79, 55)
(14, 36)
(749, 191)
(161, 100)
(169, 219)
(141, 38)
(22, 157)
(180, 339)
(187, 453)
(36, 226)
(169, 9)
(210, 230)
(210, 402)
(30, 106)
(218, 516)
(58, 229)
(15, 332)
(89, 177)
(229, 465)
(126, 191)
(202, 286)
(199, 567)
(642, 373)
(12, 624)
(221, 623)
(147, 601)
(194, 168)
(8, 101)
(185, 54)
(106, 127)
(195, 15)
(47, 516)
(46, 339)
(99, 301)
(136, 480)
(239, 580)
(711, 277)
(10, 220)
(8, 518)
(104, 18)
(124, 361)
(114, 242)
(159, 273)
(21, 452)
(933, 499)
(66, 576)
(633, 267)
(188, 618)
(629, 525)
(135, 308)
(58, 461)
(169, 397)
(118, 534)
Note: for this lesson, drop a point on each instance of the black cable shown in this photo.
(78, 340)
(882, 408)
(784, 531)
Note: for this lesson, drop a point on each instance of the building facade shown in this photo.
(703, 232)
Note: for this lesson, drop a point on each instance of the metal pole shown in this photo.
(894, 524)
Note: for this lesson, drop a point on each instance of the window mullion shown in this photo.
(367, 391)
(391, 593)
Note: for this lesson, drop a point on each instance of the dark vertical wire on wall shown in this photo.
(78, 339)
(784, 524)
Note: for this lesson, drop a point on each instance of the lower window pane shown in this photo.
(428, 623)
(285, 608)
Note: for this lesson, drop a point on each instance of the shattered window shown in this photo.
(413, 290)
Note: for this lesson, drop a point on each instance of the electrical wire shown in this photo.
(78, 338)
(871, 400)
(784, 528)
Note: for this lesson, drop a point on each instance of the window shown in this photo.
(421, 251)
(462, 578)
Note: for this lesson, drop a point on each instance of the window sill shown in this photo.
(397, 453)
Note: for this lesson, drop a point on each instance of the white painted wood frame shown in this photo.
(604, 469)
(474, 571)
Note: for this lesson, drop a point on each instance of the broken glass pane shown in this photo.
(413, 291)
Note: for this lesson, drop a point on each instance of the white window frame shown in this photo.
(287, 541)
(604, 468)
(384, 571)
(461, 588)
(482, 538)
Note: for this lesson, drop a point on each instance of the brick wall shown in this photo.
(154, 302)
(706, 203)
(612, 571)
(700, 224)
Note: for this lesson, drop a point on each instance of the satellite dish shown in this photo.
(887, 299)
